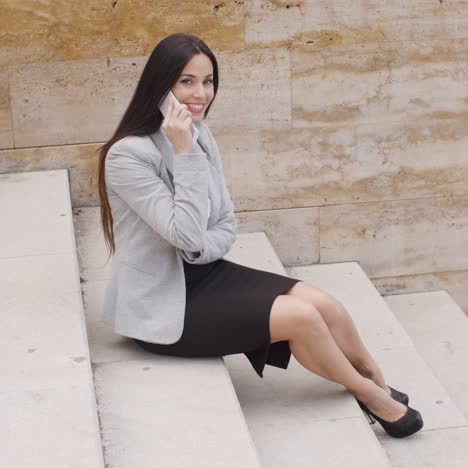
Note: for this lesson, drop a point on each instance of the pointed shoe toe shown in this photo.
(399, 396)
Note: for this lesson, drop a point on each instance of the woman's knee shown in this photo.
(332, 310)
(318, 297)
(291, 317)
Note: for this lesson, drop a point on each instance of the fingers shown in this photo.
(176, 125)
(183, 115)
(182, 111)
(178, 116)
(177, 112)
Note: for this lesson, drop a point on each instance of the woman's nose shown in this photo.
(199, 92)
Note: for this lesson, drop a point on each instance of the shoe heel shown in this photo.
(366, 412)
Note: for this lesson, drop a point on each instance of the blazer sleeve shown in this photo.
(181, 217)
(220, 237)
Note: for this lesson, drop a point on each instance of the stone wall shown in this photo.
(343, 125)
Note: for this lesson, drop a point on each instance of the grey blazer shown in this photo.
(165, 208)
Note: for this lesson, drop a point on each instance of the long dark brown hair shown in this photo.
(142, 116)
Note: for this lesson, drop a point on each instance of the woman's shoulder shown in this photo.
(131, 142)
(141, 147)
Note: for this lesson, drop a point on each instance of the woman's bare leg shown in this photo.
(315, 349)
(343, 330)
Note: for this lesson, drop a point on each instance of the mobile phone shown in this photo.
(164, 104)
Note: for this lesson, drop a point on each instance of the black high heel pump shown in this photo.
(408, 424)
(399, 396)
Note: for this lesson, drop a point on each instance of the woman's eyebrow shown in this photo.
(193, 76)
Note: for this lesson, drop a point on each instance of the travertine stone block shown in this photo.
(71, 102)
(454, 282)
(83, 101)
(336, 22)
(293, 233)
(408, 159)
(6, 130)
(370, 165)
(287, 169)
(254, 91)
(80, 160)
(397, 237)
(379, 82)
(303, 167)
(63, 30)
(342, 164)
(277, 21)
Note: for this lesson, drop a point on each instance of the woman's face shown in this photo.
(195, 86)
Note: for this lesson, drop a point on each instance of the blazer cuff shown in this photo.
(190, 162)
(191, 257)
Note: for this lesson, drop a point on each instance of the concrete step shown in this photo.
(439, 330)
(403, 368)
(156, 410)
(296, 418)
(47, 400)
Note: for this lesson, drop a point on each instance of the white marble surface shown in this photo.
(36, 214)
(447, 448)
(180, 412)
(439, 330)
(47, 400)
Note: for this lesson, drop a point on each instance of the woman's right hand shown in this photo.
(176, 125)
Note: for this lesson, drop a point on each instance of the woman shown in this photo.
(169, 219)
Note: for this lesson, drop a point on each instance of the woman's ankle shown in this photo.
(381, 403)
(374, 374)
(365, 391)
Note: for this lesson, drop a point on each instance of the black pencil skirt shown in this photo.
(228, 312)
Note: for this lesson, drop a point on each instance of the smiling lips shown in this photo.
(196, 108)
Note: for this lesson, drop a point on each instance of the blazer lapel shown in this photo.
(166, 152)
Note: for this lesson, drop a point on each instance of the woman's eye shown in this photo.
(189, 81)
